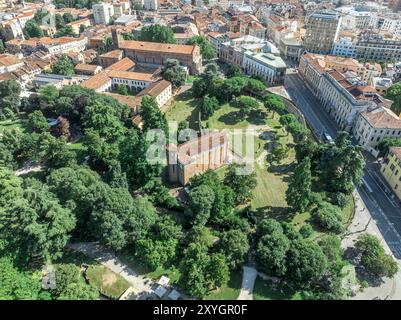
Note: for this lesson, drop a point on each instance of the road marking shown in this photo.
(379, 186)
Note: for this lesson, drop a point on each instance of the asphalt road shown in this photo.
(383, 206)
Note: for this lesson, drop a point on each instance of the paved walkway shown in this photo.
(110, 261)
(248, 281)
(362, 222)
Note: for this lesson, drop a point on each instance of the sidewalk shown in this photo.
(248, 281)
(390, 288)
(110, 261)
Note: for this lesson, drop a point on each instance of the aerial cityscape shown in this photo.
(165, 150)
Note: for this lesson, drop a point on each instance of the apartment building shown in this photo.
(102, 12)
(322, 29)
(196, 156)
(373, 126)
(391, 170)
(377, 47)
(9, 63)
(344, 98)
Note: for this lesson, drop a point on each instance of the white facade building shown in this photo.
(266, 65)
(344, 47)
(102, 12)
(150, 4)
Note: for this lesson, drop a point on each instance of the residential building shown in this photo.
(9, 63)
(266, 65)
(343, 97)
(87, 69)
(196, 156)
(150, 4)
(125, 20)
(391, 170)
(100, 82)
(381, 84)
(103, 12)
(322, 30)
(345, 47)
(76, 25)
(156, 54)
(373, 126)
(376, 47)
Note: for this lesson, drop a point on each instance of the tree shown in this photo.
(48, 94)
(386, 143)
(341, 165)
(279, 153)
(107, 44)
(234, 70)
(394, 93)
(206, 49)
(63, 66)
(255, 86)
(17, 285)
(306, 231)
(218, 273)
(246, 105)
(157, 33)
(274, 103)
(329, 217)
(306, 263)
(235, 245)
(37, 122)
(373, 257)
(32, 29)
(37, 223)
(66, 31)
(10, 101)
(65, 275)
(2, 48)
(193, 270)
(208, 106)
(62, 128)
(134, 162)
(151, 115)
(174, 72)
(160, 246)
(122, 89)
(223, 204)
(241, 182)
(272, 247)
(79, 291)
(287, 119)
(200, 202)
(68, 17)
(300, 187)
(10, 187)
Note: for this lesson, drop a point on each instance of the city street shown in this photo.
(384, 209)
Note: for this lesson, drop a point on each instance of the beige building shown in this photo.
(156, 54)
(322, 29)
(196, 156)
(108, 58)
(76, 25)
(391, 170)
(373, 126)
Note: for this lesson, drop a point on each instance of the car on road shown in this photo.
(328, 138)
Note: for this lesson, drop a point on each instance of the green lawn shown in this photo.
(109, 283)
(173, 273)
(264, 290)
(230, 291)
(12, 124)
(184, 107)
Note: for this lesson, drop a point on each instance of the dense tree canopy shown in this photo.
(174, 72)
(157, 33)
(207, 51)
(300, 186)
(242, 181)
(394, 93)
(64, 66)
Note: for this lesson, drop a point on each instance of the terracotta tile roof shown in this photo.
(396, 151)
(199, 145)
(127, 100)
(96, 81)
(155, 89)
(157, 47)
(112, 54)
(382, 118)
(7, 76)
(86, 67)
(122, 65)
(9, 60)
(140, 76)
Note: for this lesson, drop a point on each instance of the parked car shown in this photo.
(328, 138)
